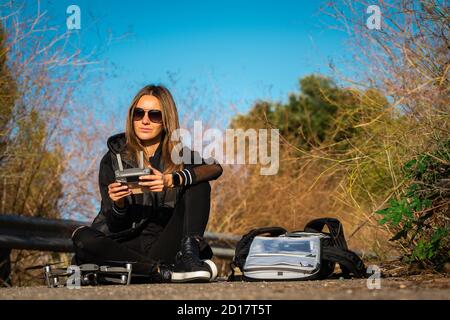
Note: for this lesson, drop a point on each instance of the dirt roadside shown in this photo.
(413, 287)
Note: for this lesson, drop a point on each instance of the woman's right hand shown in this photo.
(117, 192)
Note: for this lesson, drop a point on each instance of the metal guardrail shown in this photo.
(36, 233)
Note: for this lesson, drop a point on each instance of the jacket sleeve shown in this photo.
(116, 219)
(199, 169)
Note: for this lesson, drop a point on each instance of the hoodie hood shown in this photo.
(117, 143)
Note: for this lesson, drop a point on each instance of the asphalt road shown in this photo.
(416, 287)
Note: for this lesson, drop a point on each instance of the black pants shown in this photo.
(190, 217)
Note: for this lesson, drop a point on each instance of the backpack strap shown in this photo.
(349, 261)
(337, 251)
(243, 246)
(335, 227)
(272, 231)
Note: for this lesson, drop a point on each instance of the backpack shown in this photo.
(273, 253)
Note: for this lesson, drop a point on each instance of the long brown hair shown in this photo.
(170, 123)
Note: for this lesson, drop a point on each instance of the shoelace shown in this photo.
(190, 254)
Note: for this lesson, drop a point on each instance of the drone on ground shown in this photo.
(86, 275)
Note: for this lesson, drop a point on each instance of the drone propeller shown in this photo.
(40, 266)
(121, 262)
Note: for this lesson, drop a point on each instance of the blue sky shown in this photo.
(232, 52)
(219, 53)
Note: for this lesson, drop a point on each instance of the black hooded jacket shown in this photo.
(149, 210)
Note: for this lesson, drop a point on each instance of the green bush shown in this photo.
(420, 215)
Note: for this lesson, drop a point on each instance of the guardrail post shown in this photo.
(5, 267)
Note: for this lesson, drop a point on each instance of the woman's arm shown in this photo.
(195, 173)
(116, 217)
(191, 174)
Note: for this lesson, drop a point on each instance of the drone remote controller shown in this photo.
(131, 176)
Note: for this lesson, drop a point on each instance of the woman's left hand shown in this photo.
(156, 181)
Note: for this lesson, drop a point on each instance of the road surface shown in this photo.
(413, 287)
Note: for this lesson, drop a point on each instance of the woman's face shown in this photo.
(144, 128)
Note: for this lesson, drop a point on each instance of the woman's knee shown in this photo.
(84, 236)
(202, 189)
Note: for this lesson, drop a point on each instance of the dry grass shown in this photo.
(243, 199)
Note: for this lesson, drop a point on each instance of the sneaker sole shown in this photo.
(213, 268)
(200, 276)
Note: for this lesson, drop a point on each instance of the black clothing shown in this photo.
(151, 226)
(153, 207)
(153, 244)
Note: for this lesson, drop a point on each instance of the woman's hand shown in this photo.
(117, 192)
(157, 181)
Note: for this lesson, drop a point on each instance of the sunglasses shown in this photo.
(154, 115)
